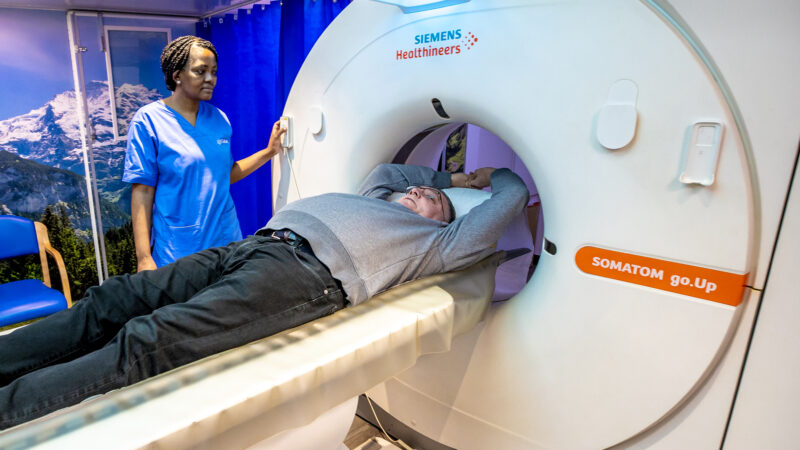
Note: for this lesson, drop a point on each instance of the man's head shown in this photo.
(429, 202)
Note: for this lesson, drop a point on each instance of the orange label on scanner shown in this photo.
(699, 282)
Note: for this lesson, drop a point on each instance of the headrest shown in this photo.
(463, 199)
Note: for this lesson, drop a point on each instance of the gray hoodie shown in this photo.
(370, 244)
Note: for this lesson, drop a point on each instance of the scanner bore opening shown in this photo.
(464, 147)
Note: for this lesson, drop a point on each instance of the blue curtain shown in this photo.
(260, 52)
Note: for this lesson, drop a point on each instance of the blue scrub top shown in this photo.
(190, 167)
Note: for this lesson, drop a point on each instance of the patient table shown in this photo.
(238, 398)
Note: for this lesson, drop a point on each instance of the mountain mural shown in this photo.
(29, 187)
(49, 136)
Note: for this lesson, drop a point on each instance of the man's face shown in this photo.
(427, 202)
(199, 76)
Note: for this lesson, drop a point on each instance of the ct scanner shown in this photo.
(633, 328)
(576, 359)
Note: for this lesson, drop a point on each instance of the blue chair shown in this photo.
(29, 299)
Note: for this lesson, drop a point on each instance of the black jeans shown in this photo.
(136, 326)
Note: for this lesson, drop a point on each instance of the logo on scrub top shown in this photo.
(439, 43)
(221, 141)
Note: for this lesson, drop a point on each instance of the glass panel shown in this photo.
(41, 158)
(135, 57)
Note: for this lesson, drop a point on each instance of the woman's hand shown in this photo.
(275, 139)
(246, 166)
(142, 197)
(146, 263)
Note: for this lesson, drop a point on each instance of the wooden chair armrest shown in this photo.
(44, 242)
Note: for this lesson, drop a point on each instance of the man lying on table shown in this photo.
(315, 256)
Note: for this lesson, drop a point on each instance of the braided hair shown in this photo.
(175, 56)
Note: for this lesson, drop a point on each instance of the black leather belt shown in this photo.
(289, 237)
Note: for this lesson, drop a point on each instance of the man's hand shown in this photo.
(475, 180)
(480, 178)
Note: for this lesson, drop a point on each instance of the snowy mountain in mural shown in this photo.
(49, 135)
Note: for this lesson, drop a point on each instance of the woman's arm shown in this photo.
(246, 166)
(142, 197)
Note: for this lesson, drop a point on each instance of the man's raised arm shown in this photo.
(387, 178)
(472, 237)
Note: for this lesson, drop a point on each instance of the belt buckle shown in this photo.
(286, 236)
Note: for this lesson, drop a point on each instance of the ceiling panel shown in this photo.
(192, 8)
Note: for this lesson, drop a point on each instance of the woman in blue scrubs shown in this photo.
(180, 163)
